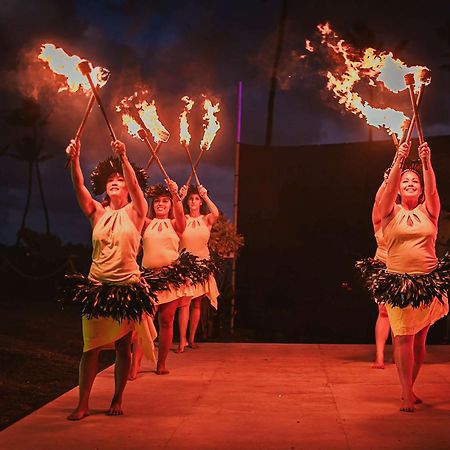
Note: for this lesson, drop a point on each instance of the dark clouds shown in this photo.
(192, 48)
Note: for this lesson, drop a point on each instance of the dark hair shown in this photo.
(157, 191)
(104, 169)
(414, 166)
(193, 190)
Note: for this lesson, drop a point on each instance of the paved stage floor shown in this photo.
(254, 396)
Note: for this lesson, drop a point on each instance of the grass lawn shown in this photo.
(40, 348)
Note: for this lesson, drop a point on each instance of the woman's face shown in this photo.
(194, 202)
(161, 206)
(410, 186)
(116, 186)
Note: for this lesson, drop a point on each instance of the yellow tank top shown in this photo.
(410, 239)
(381, 253)
(115, 242)
(160, 243)
(195, 237)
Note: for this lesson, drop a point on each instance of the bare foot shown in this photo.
(378, 365)
(193, 345)
(161, 371)
(417, 400)
(115, 409)
(407, 405)
(78, 414)
(181, 347)
(134, 369)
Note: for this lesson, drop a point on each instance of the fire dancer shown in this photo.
(414, 286)
(382, 326)
(195, 240)
(114, 297)
(161, 237)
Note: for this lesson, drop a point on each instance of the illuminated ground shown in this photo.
(254, 396)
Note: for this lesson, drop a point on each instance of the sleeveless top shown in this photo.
(195, 237)
(115, 242)
(381, 253)
(410, 238)
(160, 242)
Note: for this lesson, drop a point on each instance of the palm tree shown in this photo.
(273, 79)
(30, 149)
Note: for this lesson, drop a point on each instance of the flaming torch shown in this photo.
(72, 79)
(142, 120)
(373, 66)
(211, 126)
(185, 136)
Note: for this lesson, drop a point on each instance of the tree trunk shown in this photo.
(44, 204)
(27, 204)
(273, 80)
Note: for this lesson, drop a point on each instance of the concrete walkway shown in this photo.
(254, 396)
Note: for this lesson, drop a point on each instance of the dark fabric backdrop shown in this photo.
(305, 213)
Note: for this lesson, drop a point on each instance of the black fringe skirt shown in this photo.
(403, 289)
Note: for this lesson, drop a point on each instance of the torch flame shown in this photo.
(185, 136)
(130, 106)
(63, 64)
(212, 125)
(375, 67)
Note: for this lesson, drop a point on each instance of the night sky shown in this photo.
(192, 48)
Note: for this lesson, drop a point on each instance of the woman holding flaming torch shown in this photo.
(414, 285)
(161, 259)
(114, 296)
(195, 240)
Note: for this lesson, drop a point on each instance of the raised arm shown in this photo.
(88, 205)
(138, 201)
(179, 221)
(432, 202)
(387, 201)
(214, 211)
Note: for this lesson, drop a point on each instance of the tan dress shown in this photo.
(410, 239)
(160, 242)
(115, 242)
(195, 240)
(381, 253)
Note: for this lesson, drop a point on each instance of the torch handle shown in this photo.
(97, 97)
(158, 146)
(413, 120)
(188, 153)
(202, 151)
(416, 117)
(83, 123)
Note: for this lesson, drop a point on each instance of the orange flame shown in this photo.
(185, 136)
(212, 125)
(147, 113)
(63, 64)
(375, 67)
(133, 126)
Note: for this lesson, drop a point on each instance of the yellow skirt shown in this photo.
(209, 289)
(104, 331)
(409, 320)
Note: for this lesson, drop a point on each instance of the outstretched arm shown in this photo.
(179, 221)
(214, 211)
(87, 204)
(138, 201)
(387, 201)
(432, 202)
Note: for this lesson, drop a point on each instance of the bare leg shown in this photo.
(183, 320)
(419, 355)
(87, 372)
(404, 360)
(195, 319)
(136, 361)
(121, 371)
(382, 328)
(166, 314)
